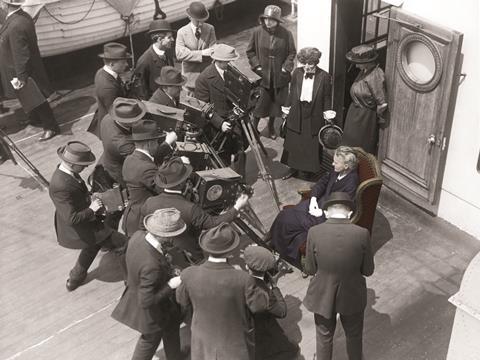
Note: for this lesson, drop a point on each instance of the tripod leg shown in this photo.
(257, 138)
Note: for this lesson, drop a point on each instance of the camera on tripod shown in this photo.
(242, 86)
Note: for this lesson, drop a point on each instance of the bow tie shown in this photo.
(309, 75)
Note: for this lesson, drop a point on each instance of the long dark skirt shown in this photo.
(302, 151)
(361, 128)
(290, 228)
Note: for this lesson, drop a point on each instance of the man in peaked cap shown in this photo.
(76, 222)
(158, 55)
(108, 84)
(170, 84)
(339, 254)
(148, 303)
(222, 299)
(21, 65)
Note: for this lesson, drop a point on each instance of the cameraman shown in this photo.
(210, 88)
(172, 178)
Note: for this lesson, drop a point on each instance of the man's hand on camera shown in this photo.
(96, 205)
(171, 137)
(174, 282)
(226, 126)
(241, 202)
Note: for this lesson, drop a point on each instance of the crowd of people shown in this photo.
(231, 313)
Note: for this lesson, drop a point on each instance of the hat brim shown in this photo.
(145, 137)
(127, 56)
(185, 176)
(163, 233)
(61, 150)
(197, 18)
(204, 247)
(149, 33)
(218, 58)
(263, 17)
(163, 83)
(328, 203)
(14, 3)
(129, 121)
(322, 132)
(350, 57)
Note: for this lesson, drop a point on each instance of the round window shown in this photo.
(419, 62)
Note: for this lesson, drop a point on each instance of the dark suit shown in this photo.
(20, 58)
(192, 214)
(107, 89)
(148, 69)
(139, 174)
(76, 225)
(222, 299)
(290, 227)
(148, 303)
(339, 254)
(160, 97)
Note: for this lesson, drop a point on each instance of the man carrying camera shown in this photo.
(76, 221)
(210, 88)
(172, 177)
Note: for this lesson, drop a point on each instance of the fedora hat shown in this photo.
(258, 258)
(223, 52)
(145, 130)
(169, 76)
(272, 12)
(14, 2)
(362, 54)
(338, 198)
(172, 173)
(165, 223)
(77, 153)
(159, 25)
(114, 51)
(219, 240)
(198, 11)
(127, 111)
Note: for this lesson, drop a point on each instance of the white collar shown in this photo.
(220, 71)
(194, 28)
(341, 176)
(146, 153)
(110, 71)
(157, 51)
(66, 171)
(258, 277)
(217, 260)
(13, 12)
(172, 191)
(152, 240)
(337, 216)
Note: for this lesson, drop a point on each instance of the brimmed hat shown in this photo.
(127, 111)
(272, 12)
(362, 54)
(258, 258)
(115, 51)
(198, 11)
(165, 223)
(338, 198)
(145, 130)
(169, 76)
(158, 26)
(172, 173)
(223, 52)
(77, 153)
(219, 240)
(330, 136)
(15, 2)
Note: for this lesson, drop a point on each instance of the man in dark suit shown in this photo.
(20, 60)
(222, 299)
(158, 55)
(76, 221)
(108, 84)
(172, 178)
(170, 84)
(339, 255)
(210, 88)
(148, 302)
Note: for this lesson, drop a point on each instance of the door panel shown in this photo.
(422, 77)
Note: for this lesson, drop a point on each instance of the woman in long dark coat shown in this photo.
(369, 101)
(310, 95)
(270, 52)
(290, 227)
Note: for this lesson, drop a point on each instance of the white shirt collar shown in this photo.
(341, 176)
(258, 277)
(110, 71)
(13, 12)
(220, 71)
(170, 191)
(66, 171)
(146, 153)
(152, 240)
(194, 28)
(217, 260)
(158, 51)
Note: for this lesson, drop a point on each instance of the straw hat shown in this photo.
(165, 223)
(362, 54)
(77, 153)
(223, 52)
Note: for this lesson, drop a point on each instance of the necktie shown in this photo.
(309, 75)
(197, 33)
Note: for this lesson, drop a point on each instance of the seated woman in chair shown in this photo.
(290, 227)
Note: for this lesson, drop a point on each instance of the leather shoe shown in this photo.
(47, 135)
(292, 173)
(72, 284)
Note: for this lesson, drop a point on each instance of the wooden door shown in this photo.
(422, 74)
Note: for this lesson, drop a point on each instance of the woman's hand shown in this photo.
(313, 208)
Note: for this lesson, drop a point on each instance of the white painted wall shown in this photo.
(460, 195)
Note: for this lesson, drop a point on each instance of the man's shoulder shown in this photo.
(183, 29)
